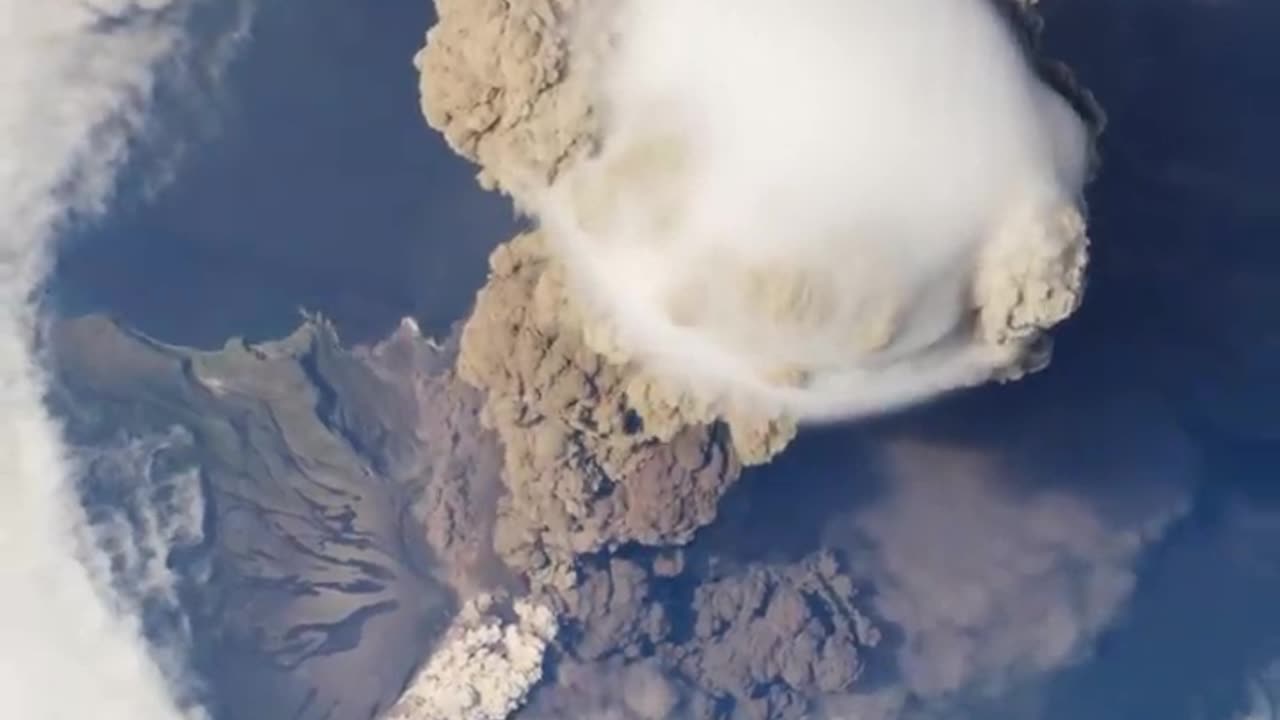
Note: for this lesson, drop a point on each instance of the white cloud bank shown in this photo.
(827, 208)
(75, 77)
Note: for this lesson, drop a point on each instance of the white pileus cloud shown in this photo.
(825, 208)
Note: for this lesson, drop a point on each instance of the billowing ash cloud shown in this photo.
(77, 75)
(743, 219)
(820, 209)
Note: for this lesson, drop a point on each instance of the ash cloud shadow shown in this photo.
(1184, 296)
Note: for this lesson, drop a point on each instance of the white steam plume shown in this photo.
(824, 208)
(75, 76)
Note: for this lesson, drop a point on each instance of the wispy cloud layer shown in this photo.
(75, 79)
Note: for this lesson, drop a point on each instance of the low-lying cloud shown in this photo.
(823, 209)
(77, 77)
(147, 506)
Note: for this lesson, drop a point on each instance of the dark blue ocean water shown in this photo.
(310, 180)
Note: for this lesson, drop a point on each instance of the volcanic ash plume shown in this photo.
(818, 209)
(747, 217)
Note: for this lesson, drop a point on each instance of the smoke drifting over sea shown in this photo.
(821, 209)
